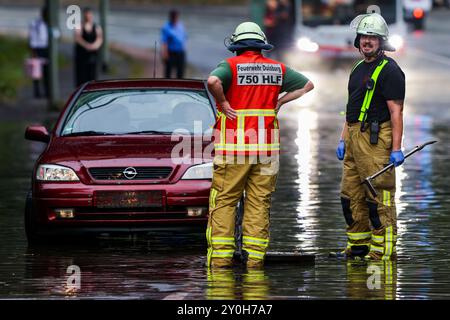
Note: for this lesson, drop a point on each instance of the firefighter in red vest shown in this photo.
(246, 89)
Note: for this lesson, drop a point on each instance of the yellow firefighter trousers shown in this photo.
(230, 180)
(361, 209)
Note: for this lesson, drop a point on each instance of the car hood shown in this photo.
(112, 150)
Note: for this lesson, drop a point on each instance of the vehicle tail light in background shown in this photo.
(196, 211)
(418, 13)
(65, 213)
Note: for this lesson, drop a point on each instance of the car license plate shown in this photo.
(128, 199)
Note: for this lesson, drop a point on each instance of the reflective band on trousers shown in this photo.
(209, 252)
(377, 239)
(369, 93)
(359, 235)
(386, 198)
(255, 241)
(212, 198)
(255, 254)
(380, 239)
(378, 249)
(222, 253)
(223, 240)
(389, 243)
(350, 244)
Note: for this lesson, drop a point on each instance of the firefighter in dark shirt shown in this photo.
(371, 138)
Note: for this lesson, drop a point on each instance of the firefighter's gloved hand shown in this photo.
(397, 158)
(340, 151)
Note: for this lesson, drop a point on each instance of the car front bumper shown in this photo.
(87, 217)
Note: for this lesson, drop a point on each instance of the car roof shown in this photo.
(145, 83)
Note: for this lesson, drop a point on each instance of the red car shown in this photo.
(124, 155)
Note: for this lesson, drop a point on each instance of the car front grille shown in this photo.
(130, 173)
(113, 214)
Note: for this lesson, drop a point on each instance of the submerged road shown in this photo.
(306, 213)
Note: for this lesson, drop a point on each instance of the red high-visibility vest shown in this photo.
(255, 85)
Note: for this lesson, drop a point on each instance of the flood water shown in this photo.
(306, 216)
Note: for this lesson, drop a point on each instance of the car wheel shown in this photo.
(31, 229)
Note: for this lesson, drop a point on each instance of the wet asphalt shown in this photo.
(306, 214)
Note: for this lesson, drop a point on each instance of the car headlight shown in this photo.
(305, 44)
(52, 172)
(201, 171)
(396, 41)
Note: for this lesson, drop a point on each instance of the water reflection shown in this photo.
(229, 284)
(306, 166)
(417, 170)
(372, 280)
(115, 269)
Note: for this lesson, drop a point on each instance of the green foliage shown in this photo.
(12, 56)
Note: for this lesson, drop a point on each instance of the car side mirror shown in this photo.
(37, 133)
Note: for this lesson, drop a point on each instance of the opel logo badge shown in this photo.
(130, 173)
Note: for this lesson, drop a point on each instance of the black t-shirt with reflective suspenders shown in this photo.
(390, 86)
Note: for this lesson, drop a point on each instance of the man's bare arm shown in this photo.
(216, 89)
(294, 94)
(396, 110)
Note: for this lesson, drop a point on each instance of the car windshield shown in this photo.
(140, 112)
(331, 12)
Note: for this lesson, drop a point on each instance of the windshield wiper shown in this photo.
(88, 133)
(149, 132)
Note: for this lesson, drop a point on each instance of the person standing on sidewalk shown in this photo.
(371, 138)
(246, 89)
(173, 51)
(88, 42)
(38, 43)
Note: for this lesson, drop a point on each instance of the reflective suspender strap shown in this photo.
(356, 65)
(369, 93)
(353, 69)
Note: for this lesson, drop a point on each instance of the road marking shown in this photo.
(176, 296)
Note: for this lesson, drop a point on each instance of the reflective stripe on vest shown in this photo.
(262, 144)
(369, 93)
